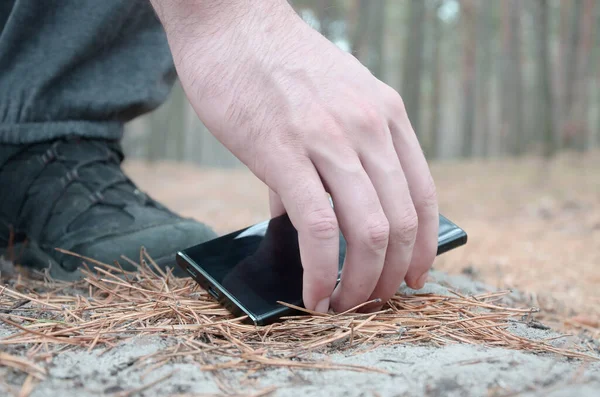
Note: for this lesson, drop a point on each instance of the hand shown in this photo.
(308, 118)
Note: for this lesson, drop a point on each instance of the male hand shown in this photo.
(308, 118)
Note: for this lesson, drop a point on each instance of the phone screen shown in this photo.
(257, 266)
(250, 270)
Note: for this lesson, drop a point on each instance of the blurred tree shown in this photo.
(519, 133)
(485, 33)
(478, 77)
(579, 117)
(572, 36)
(432, 145)
(166, 128)
(596, 131)
(544, 108)
(359, 19)
(413, 62)
(367, 37)
(512, 84)
(468, 18)
(561, 63)
(376, 30)
(504, 91)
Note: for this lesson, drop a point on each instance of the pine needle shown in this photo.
(114, 305)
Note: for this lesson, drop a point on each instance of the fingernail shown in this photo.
(421, 281)
(322, 306)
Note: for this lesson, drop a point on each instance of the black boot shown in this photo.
(72, 194)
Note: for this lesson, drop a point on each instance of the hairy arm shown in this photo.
(199, 18)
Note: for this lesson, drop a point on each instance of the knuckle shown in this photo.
(394, 101)
(370, 118)
(322, 224)
(404, 231)
(331, 127)
(377, 233)
(321, 125)
(328, 130)
(325, 123)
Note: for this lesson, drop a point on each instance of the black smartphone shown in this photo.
(249, 271)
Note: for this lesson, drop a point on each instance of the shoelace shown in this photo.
(38, 221)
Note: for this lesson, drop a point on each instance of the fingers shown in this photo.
(275, 205)
(386, 207)
(385, 171)
(422, 190)
(362, 221)
(310, 211)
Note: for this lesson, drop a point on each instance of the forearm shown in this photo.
(206, 17)
(205, 36)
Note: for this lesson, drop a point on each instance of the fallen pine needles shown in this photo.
(113, 305)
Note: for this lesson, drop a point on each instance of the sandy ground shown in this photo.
(532, 227)
(413, 370)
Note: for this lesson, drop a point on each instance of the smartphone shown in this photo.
(249, 271)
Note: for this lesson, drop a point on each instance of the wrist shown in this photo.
(194, 19)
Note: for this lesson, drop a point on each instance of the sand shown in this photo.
(414, 370)
(457, 370)
(541, 238)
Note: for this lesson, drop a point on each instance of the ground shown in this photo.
(533, 227)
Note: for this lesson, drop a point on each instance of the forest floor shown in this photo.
(533, 227)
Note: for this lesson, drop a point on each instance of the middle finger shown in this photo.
(362, 222)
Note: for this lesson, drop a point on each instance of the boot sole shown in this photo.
(32, 256)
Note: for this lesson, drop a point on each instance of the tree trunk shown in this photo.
(580, 110)
(519, 133)
(468, 75)
(177, 122)
(596, 135)
(433, 148)
(561, 72)
(512, 94)
(573, 35)
(505, 88)
(375, 37)
(413, 62)
(367, 42)
(351, 21)
(359, 36)
(544, 108)
(485, 26)
(596, 131)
